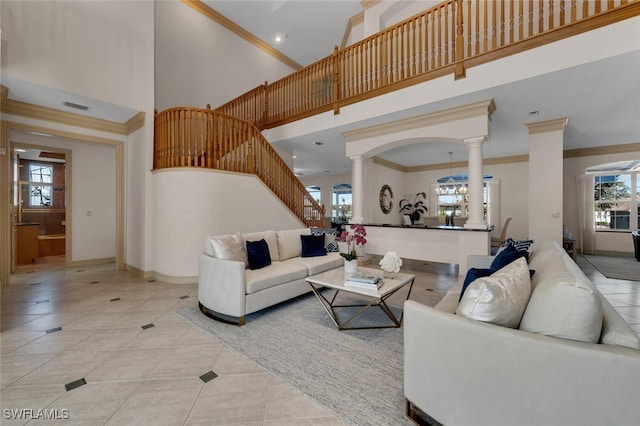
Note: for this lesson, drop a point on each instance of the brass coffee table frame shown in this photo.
(377, 299)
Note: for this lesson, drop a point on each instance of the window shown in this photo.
(341, 202)
(453, 195)
(314, 191)
(40, 185)
(615, 205)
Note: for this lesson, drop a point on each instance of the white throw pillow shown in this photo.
(564, 302)
(227, 247)
(500, 298)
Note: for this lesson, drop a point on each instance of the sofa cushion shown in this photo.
(227, 247)
(258, 254)
(289, 244)
(507, 255)
(564, 303)
(269, 237)
(500, 298)
(316, 265)
(312, 245)
(273, 275)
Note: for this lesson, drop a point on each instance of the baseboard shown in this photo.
(92, 262)
(614, 253)
(174, 280)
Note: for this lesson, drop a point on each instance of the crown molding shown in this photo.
(25, 109)
(353, 21)
(602, 150)
(218, 18)
(546, 126)
(457, 113)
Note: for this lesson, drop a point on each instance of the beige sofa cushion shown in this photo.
(289, 244)
(273, 275)
(500, 298)
(226, 247)
(269, 237)
(564, 303)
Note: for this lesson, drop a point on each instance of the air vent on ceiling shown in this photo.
(76, 106)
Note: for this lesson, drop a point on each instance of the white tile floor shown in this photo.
(152, 376)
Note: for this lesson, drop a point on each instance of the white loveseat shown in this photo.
(228, 290)
(462, 371)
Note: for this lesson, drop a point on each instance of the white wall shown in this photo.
(326, 184)
(199, 62)
(98, 49)
(192, 204)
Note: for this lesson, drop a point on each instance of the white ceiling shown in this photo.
(309, 28)
(601, 99)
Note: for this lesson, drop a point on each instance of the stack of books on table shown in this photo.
(364, 281)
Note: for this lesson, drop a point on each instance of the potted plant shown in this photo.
(415, 209)
(351, 240)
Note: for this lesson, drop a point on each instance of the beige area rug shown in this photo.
(620, 268)
(358, 375)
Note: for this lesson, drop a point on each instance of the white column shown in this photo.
(546, 144)
(476, 197)
(357, 189)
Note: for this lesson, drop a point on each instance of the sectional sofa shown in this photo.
(561, 356)
(235, 278)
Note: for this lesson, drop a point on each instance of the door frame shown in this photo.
(5, 194)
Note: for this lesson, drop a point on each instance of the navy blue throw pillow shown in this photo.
(258, 254)
(313, 245)
(472, 275)
(506, 256)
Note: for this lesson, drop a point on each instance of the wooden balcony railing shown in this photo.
(448, 38)
(194, 137)
(445, 39)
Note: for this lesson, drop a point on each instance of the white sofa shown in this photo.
(462, 371)
(228, 290)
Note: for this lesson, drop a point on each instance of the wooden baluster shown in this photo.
(598, 7)
(530, 33)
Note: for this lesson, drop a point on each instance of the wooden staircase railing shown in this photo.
(194, 137)
(447, 38)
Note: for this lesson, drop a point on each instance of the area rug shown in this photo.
(358, 374)
(621, 268)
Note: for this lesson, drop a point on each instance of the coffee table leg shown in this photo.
(326, 304)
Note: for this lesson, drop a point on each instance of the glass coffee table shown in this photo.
(335, 279)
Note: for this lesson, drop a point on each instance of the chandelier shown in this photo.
(450, 187)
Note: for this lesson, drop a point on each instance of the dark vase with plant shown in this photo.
(415, 209)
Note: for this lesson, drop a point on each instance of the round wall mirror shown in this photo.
(386, 199)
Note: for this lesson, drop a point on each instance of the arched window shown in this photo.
(616, 195)
(341, 203)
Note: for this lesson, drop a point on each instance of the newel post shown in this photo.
(460, 71)
(250, 157)
(336, 81)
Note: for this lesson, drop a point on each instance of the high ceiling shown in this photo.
(601, 99)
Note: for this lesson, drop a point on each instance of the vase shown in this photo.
(351, 266)
(387, 274)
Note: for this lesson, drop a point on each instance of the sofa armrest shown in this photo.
(221, 285)
(461, 371)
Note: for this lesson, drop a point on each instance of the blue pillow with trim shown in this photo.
(313, 245)
(258, 254)
(508, 255)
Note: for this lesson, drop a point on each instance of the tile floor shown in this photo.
(134, 361)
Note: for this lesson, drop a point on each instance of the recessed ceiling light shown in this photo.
(317, 143)
(533, 113)
(278, 38)
(295, 157)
